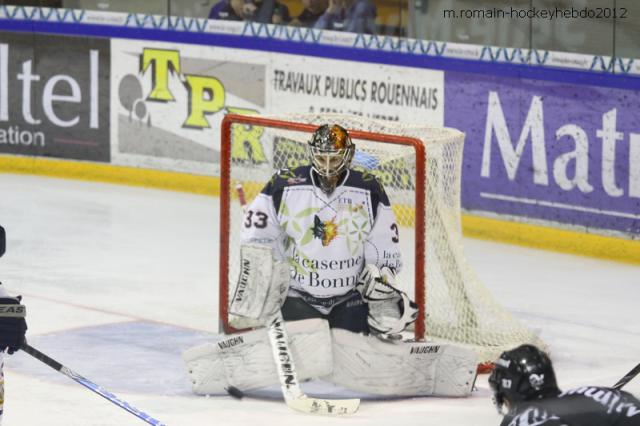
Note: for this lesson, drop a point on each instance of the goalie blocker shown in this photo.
(353, 360)
(262, 285)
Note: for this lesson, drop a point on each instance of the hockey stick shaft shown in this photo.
(89, 384)
(285, 366)
(627, 377)
(241, 197)
(283, 358)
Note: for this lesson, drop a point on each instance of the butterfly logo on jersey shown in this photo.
(325, 231)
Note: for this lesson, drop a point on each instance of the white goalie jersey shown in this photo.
(327, 239)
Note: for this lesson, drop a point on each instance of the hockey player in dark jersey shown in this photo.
(320, 243)
(525, 391)
(13, 325)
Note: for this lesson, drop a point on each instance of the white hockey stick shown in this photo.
(293, 395)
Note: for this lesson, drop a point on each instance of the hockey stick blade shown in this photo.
(627, 377)
(89, 385)
(325, 407)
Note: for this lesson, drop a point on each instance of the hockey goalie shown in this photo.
(320, 245)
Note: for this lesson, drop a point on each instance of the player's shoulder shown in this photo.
(363, 179)
(595, 394)
(288, 177)
(589, 391)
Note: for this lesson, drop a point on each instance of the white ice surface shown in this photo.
(119, 280)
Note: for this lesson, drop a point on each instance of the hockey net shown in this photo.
(420, 168)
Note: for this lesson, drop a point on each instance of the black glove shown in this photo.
(13, 325)
(3, 241)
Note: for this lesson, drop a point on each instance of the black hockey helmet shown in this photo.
(330, 152)
(522, 374)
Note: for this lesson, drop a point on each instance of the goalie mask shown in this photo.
(331, 151)
(522, 374)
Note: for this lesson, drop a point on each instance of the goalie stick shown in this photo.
(627, 377)
(89, 384)
(293, 395)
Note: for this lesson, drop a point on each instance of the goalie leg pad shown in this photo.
(246, 360)
(367, 364)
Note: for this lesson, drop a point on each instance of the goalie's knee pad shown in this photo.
(246, 360)
(367, 364)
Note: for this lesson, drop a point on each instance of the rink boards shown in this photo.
(552, 151)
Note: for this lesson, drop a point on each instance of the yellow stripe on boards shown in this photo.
(183, 182)
(547, 238)
(554, 239)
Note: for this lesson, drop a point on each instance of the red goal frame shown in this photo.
(225, 205)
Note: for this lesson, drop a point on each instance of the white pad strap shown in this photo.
(262, 284)
(367, 364)
(246, 361)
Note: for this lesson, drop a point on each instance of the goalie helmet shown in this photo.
(331, 151)
(522, 374)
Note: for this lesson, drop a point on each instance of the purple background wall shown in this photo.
(610, 194)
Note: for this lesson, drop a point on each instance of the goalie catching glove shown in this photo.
(390, 309)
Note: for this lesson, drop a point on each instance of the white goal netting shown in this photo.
(456, 307)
